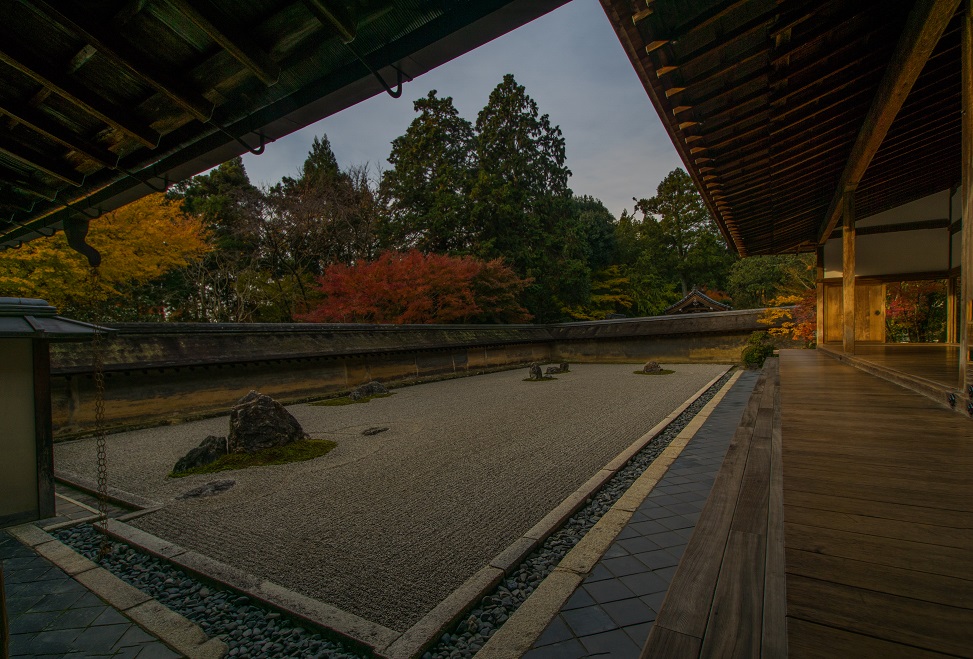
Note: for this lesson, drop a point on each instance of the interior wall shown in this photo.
(18, 465)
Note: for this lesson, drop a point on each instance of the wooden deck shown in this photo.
(878, 511)
(873, 555)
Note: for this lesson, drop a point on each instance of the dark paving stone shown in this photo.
(556, 632)
(101, 639)
(22, 603)
(25, 623)
(157, 651)
(571, 649)
(639, 633)
(663, 499)
(60, 641)
(645, 583)
(647, 527)
(615, 551)
(626, 533)
(657, 560)
(677, 550)
(589, 620)
(615, 644)
(599, 573)
(623, 565)
(57, 602)
(608, 591)
(666, 539)
(31, 575)
(78, 618)
(134, 636)
(639, 545)
(686, 508)
(653, 601)
(666, 573)
(675, 522)
(629, 612)
(579, 599)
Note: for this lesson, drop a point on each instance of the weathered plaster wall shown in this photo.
(158, 372)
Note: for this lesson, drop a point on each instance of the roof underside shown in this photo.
(101, 102)
(765, 99)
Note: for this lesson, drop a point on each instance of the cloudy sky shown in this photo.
(571, 63)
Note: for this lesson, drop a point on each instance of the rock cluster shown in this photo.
(534, 371)
(208, 490)
(256, 422)
(554, 370)
(373, 388)
(651, 367)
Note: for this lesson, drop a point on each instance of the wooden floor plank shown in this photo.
(882, 527)
(812, 641)
(947, 561)
(912, 622)
(663, 643)
(735, 618)
(882, 578)
(774, 633)
(893, 511)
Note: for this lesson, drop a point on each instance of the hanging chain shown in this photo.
(98, 362)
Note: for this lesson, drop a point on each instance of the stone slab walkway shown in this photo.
(611, 612)
(51, 615)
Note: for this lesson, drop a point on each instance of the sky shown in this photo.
(572, 65)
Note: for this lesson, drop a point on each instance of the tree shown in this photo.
(426, 193)
(413, 287)
(140, 243)
(599, 231)
(916, 311)
(522, 204)
(680, 235)
(755, 281)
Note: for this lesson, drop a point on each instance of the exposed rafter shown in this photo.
(36, 121)
(110, 45)
(925, 25)
(71, 91)
(222, 29)
(40, 162)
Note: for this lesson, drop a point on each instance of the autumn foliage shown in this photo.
(138, 243)
(793, 317)
(416, 288)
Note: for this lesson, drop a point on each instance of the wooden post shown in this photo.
(966, 264)
(819, 279)
(848, 270)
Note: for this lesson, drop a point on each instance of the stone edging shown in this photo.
(171, 628)
(518, 634)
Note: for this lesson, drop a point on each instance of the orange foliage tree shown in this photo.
(139, 242)
(412, 287)
(793, 317)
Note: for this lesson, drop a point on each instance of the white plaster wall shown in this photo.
(901, 252)
(933, 207)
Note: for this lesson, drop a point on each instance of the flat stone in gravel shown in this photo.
(387, 526)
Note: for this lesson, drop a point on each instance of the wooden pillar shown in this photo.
(966, 264)
(819, 280)
(848, 270)
(951, 310)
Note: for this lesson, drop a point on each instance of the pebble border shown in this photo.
(251, 629)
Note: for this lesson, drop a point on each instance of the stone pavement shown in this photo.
(52, 615)
(611, 613)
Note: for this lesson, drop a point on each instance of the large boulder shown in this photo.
(258, 422)
(535, 371)
(651, 367)
(209, 450)
(373, 388)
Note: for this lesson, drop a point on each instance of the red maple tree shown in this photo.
(416, 288)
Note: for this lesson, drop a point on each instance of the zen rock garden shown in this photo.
(536, 374)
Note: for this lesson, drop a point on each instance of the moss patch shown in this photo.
(345, 400)
(664, 371)
(546, 378)
(299, 451)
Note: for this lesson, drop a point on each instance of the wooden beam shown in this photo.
(39, 123)
(50, 166)
(848, 271)
(221, 29)
(924, 26)
(966, 195)
(62, 85)
(819, 285)
(109, 45)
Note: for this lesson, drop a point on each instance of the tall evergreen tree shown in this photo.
(426, 193)
(522, 204)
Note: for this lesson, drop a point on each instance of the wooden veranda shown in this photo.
(840, 525)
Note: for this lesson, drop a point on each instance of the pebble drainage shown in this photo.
(251, 629)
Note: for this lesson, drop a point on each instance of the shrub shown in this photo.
(758, 349)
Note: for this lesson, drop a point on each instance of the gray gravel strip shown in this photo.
(386, 526)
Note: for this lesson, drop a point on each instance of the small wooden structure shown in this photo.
(696, 301)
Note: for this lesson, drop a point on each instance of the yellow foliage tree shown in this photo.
(139, 242)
